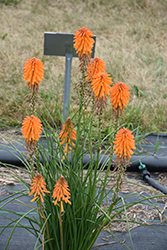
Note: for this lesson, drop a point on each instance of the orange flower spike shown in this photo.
(31, 128)
(83, 42)
(38, 188)
(68, 133)
(101, 85)
(124, 143)
(95, 66)
(33, 72)
(120, 95)
(61, 193)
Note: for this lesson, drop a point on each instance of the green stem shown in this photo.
(68, 153)
(100, 123)
(47, 229)
(33, 101)
(116, 191)
(115, 195)
(32, 165)
(61, 230)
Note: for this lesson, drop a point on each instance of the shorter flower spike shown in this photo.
(33, 72)
(38, 187)
(67, 134)
(83, 43)
(61, 193)
(31, 128)
(120, 96)
(101, 85)
(124, 143)
(95, 66)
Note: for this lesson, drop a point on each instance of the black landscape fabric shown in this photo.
(152, 238)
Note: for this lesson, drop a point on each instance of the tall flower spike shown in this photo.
(33, 72)
(83, 43)
(124, 143)
(120, 96)
(67, 135)
(31, 128)
(61, 193)
(38, 187)
(101, 85)
(95, 66)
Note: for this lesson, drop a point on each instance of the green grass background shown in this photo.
(131, 39)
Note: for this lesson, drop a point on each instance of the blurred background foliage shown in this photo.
(131, 39)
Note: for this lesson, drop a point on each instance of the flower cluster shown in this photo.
(38, 188)
(67, 135)
(124, 143)
(61, 191)
(31, 128)
(83, 42)
(95, 66)
(33, 73)
(120, 96)
(101, 85)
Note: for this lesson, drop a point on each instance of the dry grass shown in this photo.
(131, 39)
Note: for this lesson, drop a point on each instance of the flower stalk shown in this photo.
(47, 227)
(38, 189)
(61, 230)
(61, 193)
(33, 75)
(83, 43)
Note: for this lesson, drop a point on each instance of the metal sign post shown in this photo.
(61, 44)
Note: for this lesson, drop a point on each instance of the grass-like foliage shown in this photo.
(65, 166)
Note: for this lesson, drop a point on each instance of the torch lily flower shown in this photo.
(120, 96)
(31, 128)
(95, 66)
(61, 193)
(38, 187)
(67, 135)
(101, 85)
(33, 72)
(124, 143)
(83, 42)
